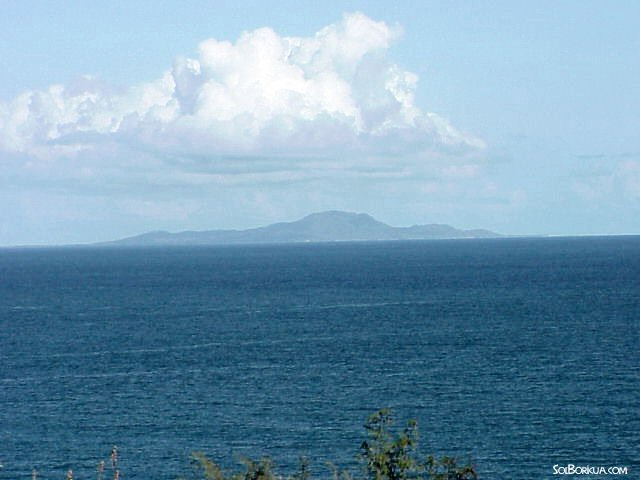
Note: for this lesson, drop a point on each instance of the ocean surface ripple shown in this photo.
(518, 353)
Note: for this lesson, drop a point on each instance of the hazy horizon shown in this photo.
(498, 235)
(120, 119)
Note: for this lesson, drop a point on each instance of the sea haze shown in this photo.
(518, 353)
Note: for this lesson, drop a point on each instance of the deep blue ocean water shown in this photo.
(518, 353)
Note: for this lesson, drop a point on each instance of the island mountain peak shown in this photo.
(327, 226)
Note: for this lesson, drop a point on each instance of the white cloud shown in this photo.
(621, 184)
(241, 134)
(628, 175)
(325, 97)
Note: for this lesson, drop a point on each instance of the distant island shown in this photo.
(331, 226)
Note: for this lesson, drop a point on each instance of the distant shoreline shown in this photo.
(110, 245)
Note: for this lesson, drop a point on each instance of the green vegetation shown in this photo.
(384, 455)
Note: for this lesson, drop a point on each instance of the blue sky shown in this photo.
(520, 117)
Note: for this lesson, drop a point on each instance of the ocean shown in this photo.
(517, 353)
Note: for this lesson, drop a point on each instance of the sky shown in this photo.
(119, 117)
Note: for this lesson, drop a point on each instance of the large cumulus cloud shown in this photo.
(331, 102)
